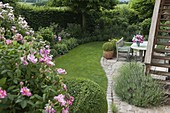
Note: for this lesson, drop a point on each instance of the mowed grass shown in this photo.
(84, 62)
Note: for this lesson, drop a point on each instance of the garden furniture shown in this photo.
(122, 47)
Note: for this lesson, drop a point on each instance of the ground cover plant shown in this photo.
(29, 82)
(136, 88)
(84, 62)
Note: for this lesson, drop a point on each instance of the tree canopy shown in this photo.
(143, 7)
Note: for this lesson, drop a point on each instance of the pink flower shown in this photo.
(65, 110)
(44, 52)
(25, 91)
(49, 109)
(24, 61)
(18, 37)
(2, 93)
(50, 63)
(61, 71)
(65, 87)
(27, 33)
(32, 58)
(21, 83)
(138, 38)
(60, 99)
(70, 101)
(8, 42)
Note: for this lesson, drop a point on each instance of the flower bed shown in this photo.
(29, 82)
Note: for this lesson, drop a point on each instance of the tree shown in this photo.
(85, 6)
(143, 7)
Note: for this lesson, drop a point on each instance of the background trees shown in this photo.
(84, 7)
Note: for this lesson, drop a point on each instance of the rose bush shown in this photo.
(29, 82)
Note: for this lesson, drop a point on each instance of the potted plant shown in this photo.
(109, 50)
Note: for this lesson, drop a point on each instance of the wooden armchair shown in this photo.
(123, 47)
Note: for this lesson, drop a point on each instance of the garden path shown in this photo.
(111, 66)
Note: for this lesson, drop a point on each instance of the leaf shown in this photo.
(2, 81)
(38, 103)
(15, 81)
(11, 97)
(31, 103)
(12, 87)
(18, 71)
(23, 104)
(18, 101)
(4, 71)
(38, 97)
(44, 96)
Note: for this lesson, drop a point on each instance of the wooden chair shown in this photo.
(122, 47)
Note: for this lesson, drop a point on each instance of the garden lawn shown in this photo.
(84, 62)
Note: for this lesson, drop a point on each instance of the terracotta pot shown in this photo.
(109, 54)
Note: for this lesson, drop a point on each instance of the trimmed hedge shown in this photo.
(89, 96)
(44, 16)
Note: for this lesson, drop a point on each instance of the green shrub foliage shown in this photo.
(89, 96)
(44, 16)
(135, 88)
(47, 34)
(108, 46)
(61, 48)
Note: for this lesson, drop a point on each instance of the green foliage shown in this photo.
(11, 2)
(55, 3)
(26, 62)
(143, 7)
(136, 88)
(74, 30)
(43, 16)
(71, 43)
(108, 46)
(53, 52)
(120, 21)
(145, 26)
(114, 108)
(46, 33)
(89, 96)
(61, 48)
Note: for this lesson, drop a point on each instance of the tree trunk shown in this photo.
(83, 21)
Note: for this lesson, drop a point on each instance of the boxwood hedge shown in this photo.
(89, 96)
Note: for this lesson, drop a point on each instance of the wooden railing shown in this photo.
(152, 33)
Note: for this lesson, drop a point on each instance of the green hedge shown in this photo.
(89, 96)
(44, 16)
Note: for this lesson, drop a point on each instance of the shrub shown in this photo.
(47, 34)
(29, 82)
(54, 52)
(89, 96)
(71, 43)
(135, 88)
(74, 30)
(108, 46)
(61, 48)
